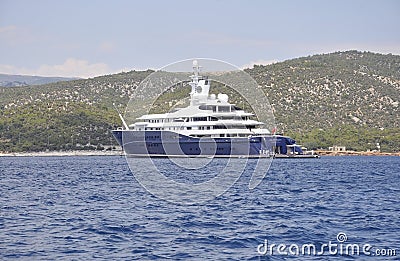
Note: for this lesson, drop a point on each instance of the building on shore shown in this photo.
(337, 148)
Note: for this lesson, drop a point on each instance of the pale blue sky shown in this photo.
(87, 38)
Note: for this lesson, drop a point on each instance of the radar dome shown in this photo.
(223, 97)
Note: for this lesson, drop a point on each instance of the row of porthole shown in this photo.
(152, 137)
(210, 148)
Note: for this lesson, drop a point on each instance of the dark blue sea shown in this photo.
(83, 208)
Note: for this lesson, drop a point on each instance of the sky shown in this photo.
(75, 38)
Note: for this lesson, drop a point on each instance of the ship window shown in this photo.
(227, 118)
(223, 108)
(199, 118)
(213, 108)
(188, 128)
(208, 127)
(207, 107)
(222, 135)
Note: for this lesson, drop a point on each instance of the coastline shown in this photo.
(121, 153)
(63, 153)
(355, 153)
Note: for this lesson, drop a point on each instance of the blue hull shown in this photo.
(166, 143)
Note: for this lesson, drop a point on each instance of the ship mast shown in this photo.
(195, 81)
(200, 86)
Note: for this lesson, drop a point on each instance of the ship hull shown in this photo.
(172, 144)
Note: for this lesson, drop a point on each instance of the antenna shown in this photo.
(195, 65)
(122, 119)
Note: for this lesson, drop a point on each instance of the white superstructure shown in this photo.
(206, 116)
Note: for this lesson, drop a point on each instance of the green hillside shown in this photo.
(345, 98)
(65, 115)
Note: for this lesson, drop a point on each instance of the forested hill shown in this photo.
(8, 80)
(345, 98)
(65, 115)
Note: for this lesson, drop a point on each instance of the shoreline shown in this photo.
(121, 153)
(355, 153)
(63, 153)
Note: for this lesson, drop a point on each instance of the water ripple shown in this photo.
(92, 207)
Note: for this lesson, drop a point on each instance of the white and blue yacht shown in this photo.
(209, 127)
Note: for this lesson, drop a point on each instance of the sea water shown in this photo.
(93, 207)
